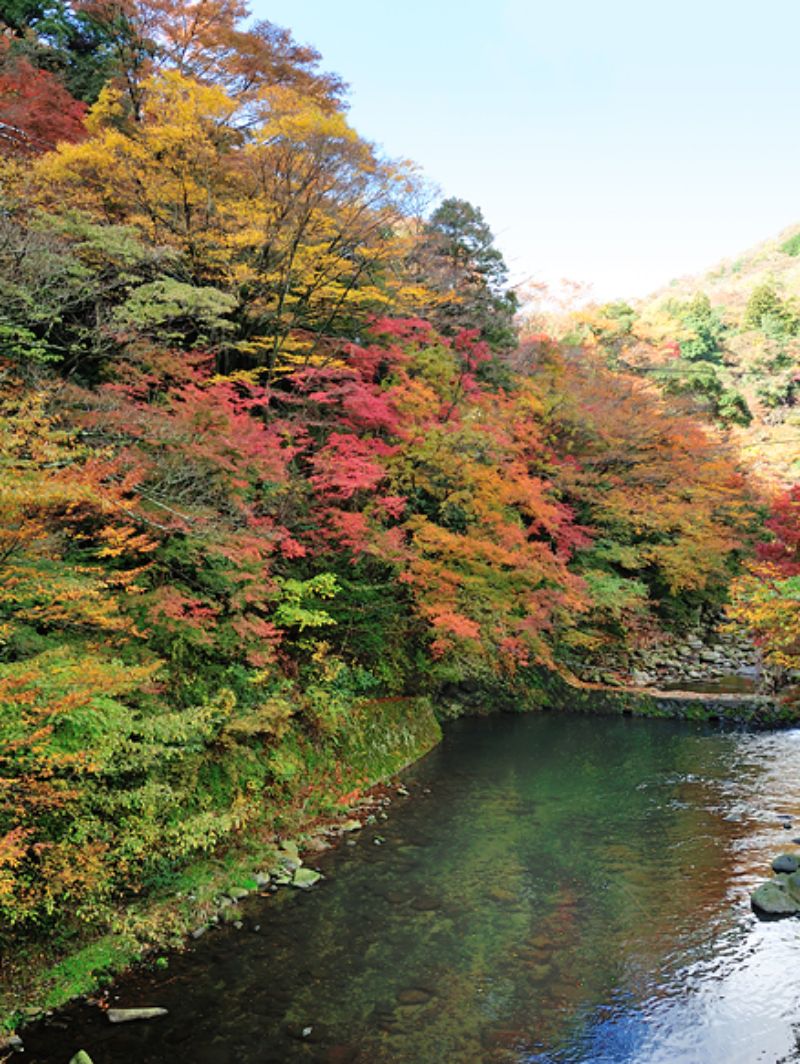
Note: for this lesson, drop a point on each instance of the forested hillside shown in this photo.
(730, 342)
(270, 448)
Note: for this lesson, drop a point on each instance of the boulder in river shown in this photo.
(773, 899)
(126, 1015)
(792, 884)
(786, 862)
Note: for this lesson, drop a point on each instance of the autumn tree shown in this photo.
(665, 498)
(297, 222)
(207, 41)
(456, 256)
(36, 110)
(766, 600)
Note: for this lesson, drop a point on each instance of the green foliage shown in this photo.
(780, 390)
(769, 313)
(732, 408)
(295, 608)
(613, 594)
(64, 38)
(792, 245)
(458, 257)
(706, 326)
(177, 313)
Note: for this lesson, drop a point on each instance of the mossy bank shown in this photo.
(323, 777)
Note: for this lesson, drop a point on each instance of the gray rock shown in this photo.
(199, 931)
(126, 1015)
(787, 862)
(262, 879)
(305, 878)
(237, 893)
(772, 899)
(642, 679)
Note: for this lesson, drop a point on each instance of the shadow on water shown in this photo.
(558, 889)
(735, 683)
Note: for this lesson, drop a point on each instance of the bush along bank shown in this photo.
(330, 791)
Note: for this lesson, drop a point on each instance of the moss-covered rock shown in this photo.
(773, 899)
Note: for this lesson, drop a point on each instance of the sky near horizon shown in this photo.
(619, 144)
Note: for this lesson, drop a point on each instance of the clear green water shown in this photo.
(556, 889)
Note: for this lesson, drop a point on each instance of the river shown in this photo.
(557, 889)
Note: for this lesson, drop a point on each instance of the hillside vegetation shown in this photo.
(270, 450)
(730, 342)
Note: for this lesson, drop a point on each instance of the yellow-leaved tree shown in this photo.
(297, 220)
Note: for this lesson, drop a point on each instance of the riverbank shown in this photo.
(753, 710)
(463, 927)
(343, 787)
(340, 785)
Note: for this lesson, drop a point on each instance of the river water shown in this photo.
(556, 889)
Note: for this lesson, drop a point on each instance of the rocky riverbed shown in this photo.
(702, 656)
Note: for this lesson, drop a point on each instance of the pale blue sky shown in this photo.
(621, 143)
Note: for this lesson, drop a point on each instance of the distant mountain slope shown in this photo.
(729, 341)
(729, 284)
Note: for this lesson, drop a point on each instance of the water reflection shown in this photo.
(570, 889)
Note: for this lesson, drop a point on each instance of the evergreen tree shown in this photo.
(457, 258)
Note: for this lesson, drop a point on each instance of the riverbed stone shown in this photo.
(773, 899)
(127, 1015)
(81, 1057)
(305, 878)
(414, 995)
(316, 844)
(786, 862)
(792, 884)
(641, 678)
